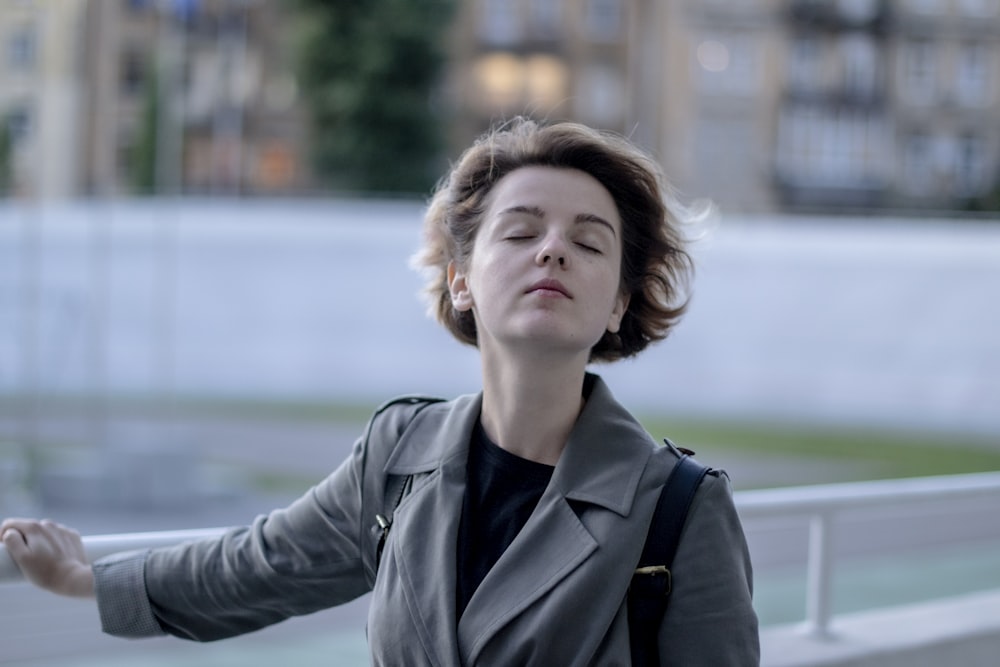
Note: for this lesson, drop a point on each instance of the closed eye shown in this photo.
(590, 248)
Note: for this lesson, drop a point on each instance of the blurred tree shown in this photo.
(142, 156)
(368, 71)
(6, 168)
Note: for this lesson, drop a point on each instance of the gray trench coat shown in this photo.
(556, 597)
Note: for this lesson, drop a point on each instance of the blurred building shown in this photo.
(81, 80)
(549, 59)
(41, 94)
(228, 121)
(889, 103)
(762, 105)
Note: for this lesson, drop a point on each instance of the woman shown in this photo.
(500, 528)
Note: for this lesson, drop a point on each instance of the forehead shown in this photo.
(555, 191)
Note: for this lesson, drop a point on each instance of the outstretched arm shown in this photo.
(49, 555)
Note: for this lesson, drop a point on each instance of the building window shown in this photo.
(825, 147)
(919, 71)
(800, 135)
(18, 124)
(971, 167)
(805, 64)
(496, 78)
(925, 6)
(500, 22)
(861, 65)
(133, 73)
(545, 83)
(919, 164)
(546, 18)
(978, 8)
(603, 20)
(972, 76)
(601, 97)
(504, 82)
(22, 48)
(858, 11)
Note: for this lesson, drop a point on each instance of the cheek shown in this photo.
(611, 282)
(489, 270)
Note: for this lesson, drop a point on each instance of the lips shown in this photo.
(550, 285)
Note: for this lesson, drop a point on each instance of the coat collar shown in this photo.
(601, 464)
(605, 455)
(438, 433)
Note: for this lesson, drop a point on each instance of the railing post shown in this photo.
(819, 575)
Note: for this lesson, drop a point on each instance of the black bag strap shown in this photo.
(651, 582)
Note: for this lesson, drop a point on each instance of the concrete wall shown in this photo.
(886, 322)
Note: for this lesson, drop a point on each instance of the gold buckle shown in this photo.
(657, 570)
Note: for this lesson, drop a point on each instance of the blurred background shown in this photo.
(207, 208)
(763, 105)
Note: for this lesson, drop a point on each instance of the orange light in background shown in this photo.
(505, 82)
(498, 81)
(275, 168)
(545, 82)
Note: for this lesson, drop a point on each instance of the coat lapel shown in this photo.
(552, 545)
(603, 461)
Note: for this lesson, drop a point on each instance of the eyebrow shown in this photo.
(537, 212)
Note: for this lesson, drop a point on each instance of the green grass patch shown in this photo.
(279, 483)
(156, 406)
(877, 453)
(884, 453)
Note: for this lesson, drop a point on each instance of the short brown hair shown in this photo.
(655, 267)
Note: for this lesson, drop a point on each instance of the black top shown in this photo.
(502, 490)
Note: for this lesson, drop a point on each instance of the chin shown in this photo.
(558, 341)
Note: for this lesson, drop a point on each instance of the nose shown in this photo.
(553, 251)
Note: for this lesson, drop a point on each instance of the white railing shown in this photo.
(820, 503)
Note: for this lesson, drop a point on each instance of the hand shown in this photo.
(50, 555)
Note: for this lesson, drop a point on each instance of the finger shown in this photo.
(63, 528)
(12, 534)
(13, 539)
(14, 522)
(22, 526)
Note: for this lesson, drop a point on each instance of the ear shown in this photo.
(618, 312)
(458, 286)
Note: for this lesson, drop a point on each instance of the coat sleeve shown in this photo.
(710, 618)
(314, 554)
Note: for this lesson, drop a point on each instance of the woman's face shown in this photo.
(545, 270)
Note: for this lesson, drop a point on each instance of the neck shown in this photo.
(529, 409)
